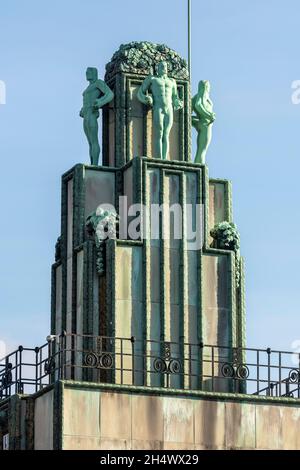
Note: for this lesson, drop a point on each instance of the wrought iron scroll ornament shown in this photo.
(239, 371)
(167, 364)
(50, 365)
(103, 360)
(7, 376)
(235, 369)
(294, 376)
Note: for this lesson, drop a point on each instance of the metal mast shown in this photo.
(190, 37)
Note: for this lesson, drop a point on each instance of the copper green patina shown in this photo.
(112, 278)
(141, 58)
(102, 224)
(227, 237)
(96, 95)
(203, 120)
(164, 99)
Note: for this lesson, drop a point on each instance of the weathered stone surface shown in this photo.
(115, 444)
(193, 278)
(147, 418)
(100, 189)
(129, 185)
(129, 273)
(240, 426)
(58, 299)
(79, 292)
(115, 416)
(123, 273)
(155, 274)
(178, 446)
(82, 413)
(290, 422)
(81, 443)
(215, 299)
(43, 422)
(268, 427)
(210, 424)
(129, 318)
(70, 202)
(218, 203)
(99, 419)
(136, 124)
(146, 445)
(178, 421)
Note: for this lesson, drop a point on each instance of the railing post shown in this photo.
(287, 387)
(15, 373)
(190, 366)
(298, 384)
(50, 353)
(279, 374)
(212, 369)
(72, 357)
(257, 371)
(63, 354)
(36, 350)
(19, 380)
(9, 376)
(121, 361)
(41, 367)
(145, 363)
(269, 370)
(132, 339)
(200, 357)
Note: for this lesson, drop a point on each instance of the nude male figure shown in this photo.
(164, 100)
(96, 95)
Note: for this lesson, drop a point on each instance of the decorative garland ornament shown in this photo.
(227, 237)
(142, 58)
(103, 225)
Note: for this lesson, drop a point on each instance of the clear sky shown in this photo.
(248, 50)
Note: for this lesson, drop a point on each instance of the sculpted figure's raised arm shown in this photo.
(96, 95)
(143, 92)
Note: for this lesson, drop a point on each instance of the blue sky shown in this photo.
(249, 52)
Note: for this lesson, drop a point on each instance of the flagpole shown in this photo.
(190, 38)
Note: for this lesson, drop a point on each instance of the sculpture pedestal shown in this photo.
(154, 290)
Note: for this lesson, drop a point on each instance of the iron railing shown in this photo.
(129, 361)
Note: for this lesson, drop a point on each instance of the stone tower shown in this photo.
(147, 346)
(168, 298)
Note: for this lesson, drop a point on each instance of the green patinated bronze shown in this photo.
(203, 120)
(227, 237)
(95, 96)
(127, 123)
(123, 122)
(142, 57)
(102, 223)
(164, 99)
